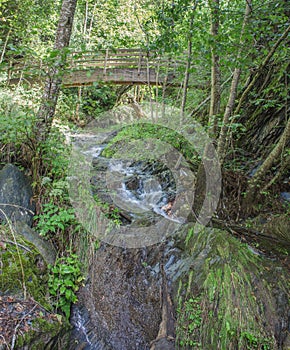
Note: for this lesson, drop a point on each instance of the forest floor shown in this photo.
(17, 317)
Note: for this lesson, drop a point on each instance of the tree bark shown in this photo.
(188, 64)
(214, 109)
(5, 46)
(222, 144)
(53, 82)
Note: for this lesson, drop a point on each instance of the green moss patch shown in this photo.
(22, 269)
(232, 298)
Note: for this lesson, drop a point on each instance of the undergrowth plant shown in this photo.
(17, 119)
(110, 212)
(54, 219)
(64, 281)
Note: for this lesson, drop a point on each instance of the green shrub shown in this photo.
(16, 128)
(54, 219)
(64, 281)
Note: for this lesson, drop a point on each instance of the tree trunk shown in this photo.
(52, 85)
(215, 72)
(285, 164)
(5, 46)
(256, 180)
(204, 102)
(188, 64)
(261, 68)
(228, 112)
(222, 144)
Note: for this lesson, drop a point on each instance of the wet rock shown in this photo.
(45, 248)
(133, 183)
(285, 196)
(119, 308)
(22, 267)
(15, 195)
(279, 226)
(163, 344)
(101, 164)
(226, 276)
(26, 320)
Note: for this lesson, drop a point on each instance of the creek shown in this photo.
(241, 295)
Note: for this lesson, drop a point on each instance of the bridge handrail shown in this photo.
(106, 59)
(121, 58)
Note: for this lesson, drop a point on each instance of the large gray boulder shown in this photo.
(15, 195)
(45, 248)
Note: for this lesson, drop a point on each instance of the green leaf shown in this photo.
(68, 294)
(68, 282)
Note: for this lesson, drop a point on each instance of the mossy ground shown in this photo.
(42, 333)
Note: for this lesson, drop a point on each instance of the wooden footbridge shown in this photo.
(122, 66)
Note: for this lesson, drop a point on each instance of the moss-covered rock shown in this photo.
(231, 296)
(27, 320)
(23, 270)
(42, 335)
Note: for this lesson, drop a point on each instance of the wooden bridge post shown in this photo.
(105, 63)
(140, 62)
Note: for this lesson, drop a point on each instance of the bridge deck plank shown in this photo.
(115, 75)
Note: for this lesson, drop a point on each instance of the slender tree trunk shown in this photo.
(256, 180)
(52, 86)
(92, 22)
(86, 18)
(215, 99)
(233, 91)
(188, 64)
(228, 112)
(261, 67)
(5, 46)
(281, 172)
(194, 112)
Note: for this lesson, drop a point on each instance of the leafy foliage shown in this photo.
(54, 219)
(17, 119)
(190, 318)
(55, 153)
(64, 281)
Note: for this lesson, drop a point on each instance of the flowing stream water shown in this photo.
(120, 306)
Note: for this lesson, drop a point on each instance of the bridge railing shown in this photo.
(103, 61)
(121, 58)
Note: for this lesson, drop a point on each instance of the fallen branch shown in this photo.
(17, 206)
(17, 244)
(238, 230)
(18, 325)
